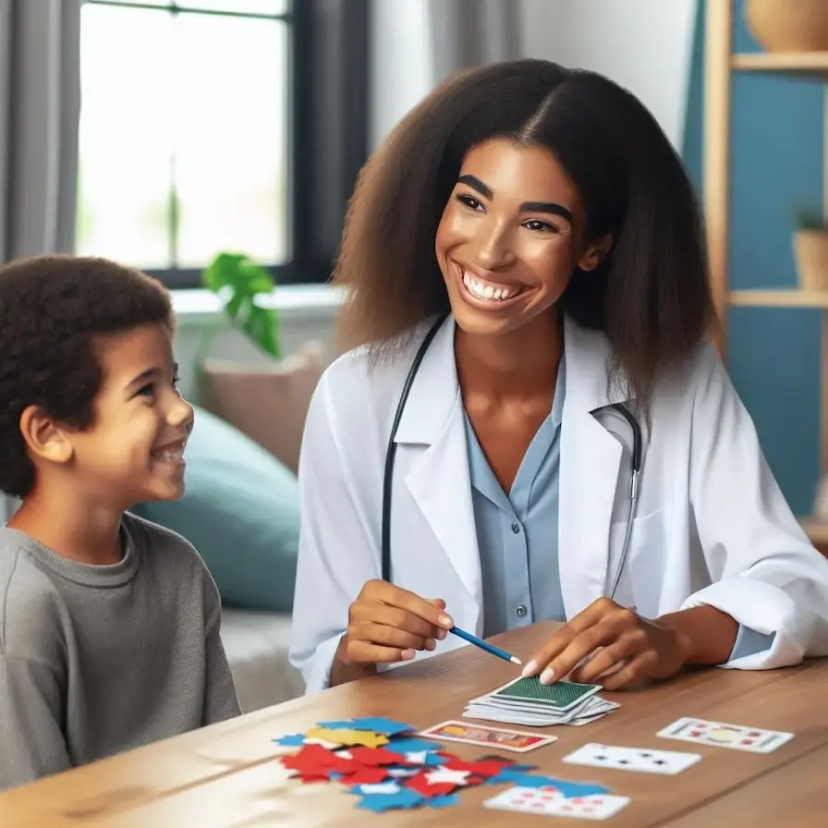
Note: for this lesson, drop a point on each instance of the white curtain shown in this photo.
(39, 112)
(466, 33)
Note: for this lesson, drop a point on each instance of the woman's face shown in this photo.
(511, 236)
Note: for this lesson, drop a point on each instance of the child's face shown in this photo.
(133, 451)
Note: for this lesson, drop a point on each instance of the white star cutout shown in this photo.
(380, 788)
(418, 757)
(446, 775)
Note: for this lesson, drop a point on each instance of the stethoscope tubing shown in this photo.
(388, 477)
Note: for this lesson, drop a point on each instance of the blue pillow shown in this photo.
(241, 512)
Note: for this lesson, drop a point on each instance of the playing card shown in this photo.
(736, 737)
(484, 713)
(550, 802)
(501, 738)
(634, 759)
(560, 694)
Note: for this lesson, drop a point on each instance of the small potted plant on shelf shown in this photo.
(810, 245)
(265, 397)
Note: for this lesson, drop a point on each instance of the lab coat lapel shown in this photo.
(590, 465)
(438, 478)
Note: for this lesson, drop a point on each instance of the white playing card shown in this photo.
(597, 806)
(552, 803)
(735, 737)
(635, 759)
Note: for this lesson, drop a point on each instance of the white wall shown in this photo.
(644, 45)
(401, 57)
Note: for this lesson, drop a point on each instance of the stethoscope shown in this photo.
(388, 479)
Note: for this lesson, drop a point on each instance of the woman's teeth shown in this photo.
(488, 292)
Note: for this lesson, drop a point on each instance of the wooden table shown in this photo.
(225, 775)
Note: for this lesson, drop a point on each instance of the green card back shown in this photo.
(562, 694)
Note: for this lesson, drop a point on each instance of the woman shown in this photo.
(542, 212)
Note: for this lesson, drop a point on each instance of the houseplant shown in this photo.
(810, 244)
(267, 397)
(238, 282)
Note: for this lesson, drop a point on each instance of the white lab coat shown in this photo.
(711, 526)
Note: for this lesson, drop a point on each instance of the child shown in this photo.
(109, 625)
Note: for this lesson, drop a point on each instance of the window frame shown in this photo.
(328, 130)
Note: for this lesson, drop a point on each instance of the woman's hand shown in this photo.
(387, 623)
(621, 648)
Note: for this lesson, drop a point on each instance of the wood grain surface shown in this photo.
(226, 775)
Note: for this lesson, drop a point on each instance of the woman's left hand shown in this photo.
(622, 649)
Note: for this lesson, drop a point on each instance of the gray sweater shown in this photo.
(95, 660)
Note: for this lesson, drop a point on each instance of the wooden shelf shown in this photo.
(801, 63)
(791, 298)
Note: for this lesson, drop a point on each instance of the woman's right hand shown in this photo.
(387, 624)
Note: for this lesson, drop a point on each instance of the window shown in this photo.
(200, 130)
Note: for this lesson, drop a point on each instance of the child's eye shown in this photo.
(147, 390)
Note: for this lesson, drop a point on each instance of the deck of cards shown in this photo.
(525, 701)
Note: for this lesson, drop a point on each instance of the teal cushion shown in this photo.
(241, 512)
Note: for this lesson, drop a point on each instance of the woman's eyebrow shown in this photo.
(546, 207)
(527, 207)
(476, 184)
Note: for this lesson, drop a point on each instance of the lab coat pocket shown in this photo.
(642, 574)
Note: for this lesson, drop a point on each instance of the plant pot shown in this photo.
(268, 403)
(788, 25)
(811, 255)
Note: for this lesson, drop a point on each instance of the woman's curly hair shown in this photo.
(651, 295)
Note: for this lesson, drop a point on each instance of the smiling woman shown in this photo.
(589, 155)
(523, 256)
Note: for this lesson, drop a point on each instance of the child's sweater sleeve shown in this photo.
(220, 700)
(31, 740)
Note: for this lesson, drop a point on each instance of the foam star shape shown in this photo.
(380, 788)
(348, 737)
(404, 798)
(447, 776)
(443, 801)
(293, 740)
(378, 724)
(424, 757)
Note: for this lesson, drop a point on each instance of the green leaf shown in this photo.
(237, 272)
(237, 281)
(261, 326)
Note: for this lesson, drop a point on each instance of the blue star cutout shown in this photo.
(294, 740)
(344, 725)
(377, 724)
(406, 798)
(410, 745)
(443, 801)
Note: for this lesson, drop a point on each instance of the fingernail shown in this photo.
(530, 668)
(431, 644)
(441, 633)
(547, 676)
(407, 655)
(445, 621)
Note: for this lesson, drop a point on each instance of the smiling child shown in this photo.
(109, 625)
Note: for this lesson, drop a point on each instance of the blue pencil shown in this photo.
(489, 648)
